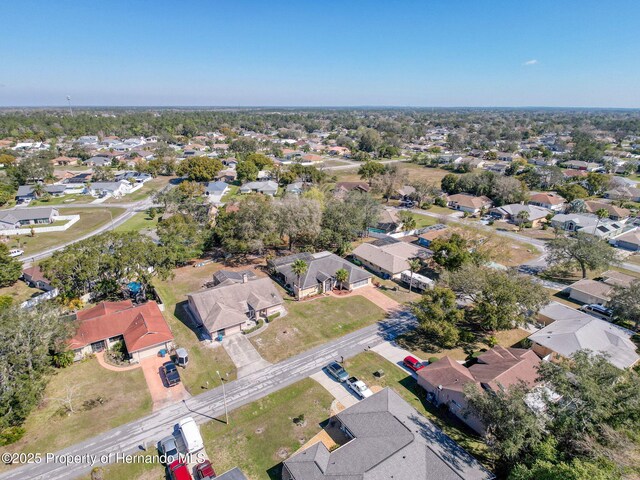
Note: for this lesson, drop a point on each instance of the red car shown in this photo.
(178, 470)
(412, 363)
(205, 470)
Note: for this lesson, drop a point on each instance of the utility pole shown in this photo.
(224, 396)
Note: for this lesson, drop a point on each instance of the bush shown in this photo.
(63, 359)
(491, 341)
(440, 201)
(5, 301)
(10, 435)
(433, 359)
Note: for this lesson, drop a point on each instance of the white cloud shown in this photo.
(530, 62)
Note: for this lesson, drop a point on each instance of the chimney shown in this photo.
(245, 277)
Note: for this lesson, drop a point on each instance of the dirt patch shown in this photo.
(283, 453)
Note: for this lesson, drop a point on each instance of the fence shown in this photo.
(26, 230)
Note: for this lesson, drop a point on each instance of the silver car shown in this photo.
(168, 448)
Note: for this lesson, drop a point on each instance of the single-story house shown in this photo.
(615, 213)
(21, 217)
(216, 190)
(295, 188)
(34, 277)
(581, 165)
(79, 179)
(549, 200)
(388, 257)
(237, 276)
(26, 192)
(495, 370)
(575, 331)
(385, 438)
(405, 192)
(624, 193)
(230, 306)
(98, 161)
(320, 276)
(535, 215)
(388, 221)
(228, 175)
(629, 240)
(267, 187)
(587, 223)
(468, 203)
(342, 188)
(590, 291)
(135, 177)
(58, 161)
(432, 232)
(142, 328)
(115, 189)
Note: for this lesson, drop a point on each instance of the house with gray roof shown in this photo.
(216, 190)
(115, 189)
(267, 187)
(388, 257)
(386, 439)
(26, 194)
(21, 217)
(574, 331)
(588, 223)
(320, 276)
(231, 306)
(518, 213)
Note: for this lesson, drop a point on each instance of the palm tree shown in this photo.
(601, 213)
(522, 216)
(341, 276)
(38, 190)
(414, 266)
(299, 267)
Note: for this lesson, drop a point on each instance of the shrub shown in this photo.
(10, 435)
(63, 359)
(433, 359)
(440, 201)
(491, 341)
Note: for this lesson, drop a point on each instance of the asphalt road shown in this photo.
(208, 406)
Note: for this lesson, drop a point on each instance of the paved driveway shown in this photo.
(244, 355)
(390, 351)
(160, 393)
(340, 391)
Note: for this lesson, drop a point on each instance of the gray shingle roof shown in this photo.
(19, 214)
(391, 440)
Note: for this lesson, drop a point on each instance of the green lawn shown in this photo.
(259, 435)
(440, 210)
(203, 361)
(313, 322)
(50, 428)
(397, 292)
(153, 185)
(365, 364)
(424, 220)
(90, 219)
(232, 192)
(63, 200)
(20, 292)
(140, 221)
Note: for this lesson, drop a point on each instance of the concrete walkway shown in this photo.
(244, 355)
(103, 363)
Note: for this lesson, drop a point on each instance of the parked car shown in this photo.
(190, 434)
(15, 252)
(168, 448)
(171, 373)
(598, 311)
(359, 387)
(337, 371)
(179, 470)
(204, 471)
(412, 363)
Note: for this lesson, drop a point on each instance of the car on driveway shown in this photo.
(190, 434)
(179, 470)
(359, 387)
(337, 371)
(15, 252)
(412, 363)
(171, 374)
(204, 471)
(168, 448)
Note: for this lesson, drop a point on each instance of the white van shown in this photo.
(190, 435)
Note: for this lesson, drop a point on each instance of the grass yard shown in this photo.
(313, 322)
(20, 292)
(365, 364)
(424, 220)
(260, 435)
(397, 292)
(63, 200)
(90, 219)
(203, 361)
(140, 221)
(50, 428)
(506, 338)
(440, 210)
(153, 185)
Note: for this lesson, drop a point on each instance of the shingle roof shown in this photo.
(227, 304)
(592, 287)
(391, 257)
(567, 336)
(19, 214)
(391, 440)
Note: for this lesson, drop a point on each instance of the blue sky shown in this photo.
(348, 52)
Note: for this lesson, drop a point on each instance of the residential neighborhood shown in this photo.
(321, 251)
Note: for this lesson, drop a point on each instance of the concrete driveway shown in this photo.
(340, 391)
(390, 351)
(161, 394)
(244, 355)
